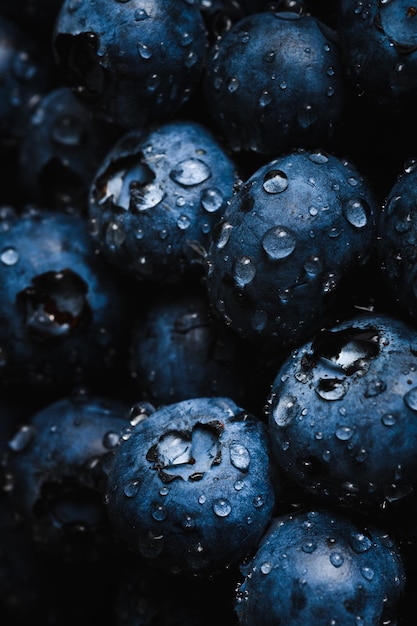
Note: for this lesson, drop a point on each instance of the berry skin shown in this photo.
(61, 150)
(378, 46)
(342, 412)
(133, 63)
(397, 252)
(320, 567)
(191, 488)
(178, 351)
(58, 483)
(275, 82)
(157, 196)
(61, 307)
(288, 236)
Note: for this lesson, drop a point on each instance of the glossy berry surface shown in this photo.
(289, 234)
(274, 82)
(156, 198)
(342, 412)
(56, 479)
(133, 62)
(319, 567)
(60, 306)
(191, 488)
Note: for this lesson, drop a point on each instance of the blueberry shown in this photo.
(56, 467)
(157, 196)
(178, 351)
(275, 82)
(378, 44)
(61, 150)
(191, 488)
(133, 62)
(322, 567)
(397, 252)
(288, 236)
(63, 314)
(342, 412)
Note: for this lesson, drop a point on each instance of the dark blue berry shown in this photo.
(191, 488)
(288, 236)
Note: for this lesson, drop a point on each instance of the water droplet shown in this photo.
(114, 236)
(336, 559)
(110, 440)
(144, 51)
(222, 507)
(211, 200)
(140, 15)
(224, 235)
(388, 419)
(152, 82)
(309, 547)
(244, 271)
(331, 389)
(131, 488)
(266, 567)
(67, 130)
(9, 256)
(374, 388)
(190, 172)
(279, 243)
(356, 212)
(183, 222)
(258, 502)
(307, 116)
(318, 157)
(275, 181)
(23, 66)
(22, 438)
(239, 484)
(265, 98)
(360, 542)
(259, 320)
(202, 499)
(159, 512)
(233, 84)
(188, 523)
(410, 399)
(367, 573)
(239, 456)
(344, 433)
(313, 266)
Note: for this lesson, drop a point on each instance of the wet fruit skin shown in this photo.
(318, 567)
(275, 82)
(191, 488)
(342, 412)
(134, 63)
(288, 236)
(156, 197)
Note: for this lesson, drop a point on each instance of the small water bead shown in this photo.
(164, 491)
(356, 212)
(233, 84)
(330, 91)
(67, 130)
(191, 59)
(140, 15)
(344, 433)
(318, 157)
(265, 98)
(202, 499)
(388, 419)
(258, 502)
(9, 256)
(244, 271)
(23, 66)
(259, 320)
(144, 51)
(114, 235)
(152, 82)
(183, 222)
(266, 568)
(22, 438)
(336, 559)
(222, 507)
(131, 489)
(269, 56)
(374, 388)
(212, 200)
(239, 484)
(159, 512)
(410, 399)
(279, 243)
(313, 266)
(239, 456)
(309, 547)
(190, 172)
(111, 439)
(331, 389)
(307, 116)
(188, 523)
(275, 181)
(359, 542)
(368, 573)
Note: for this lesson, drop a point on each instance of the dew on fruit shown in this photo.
(389, 419)
(309, 547)
(140, 15)
(9, 256)
(285, 411)
(159, 512)
(275, 181)
(356, 212)
(144, 51)
(233, 84)
(152, 82)
(202, 499)
(131, 488)
(307, 116)
(239, 484)
(375, 387)
(368, 573)
(111, 439)
(183, 222)
(23, 66)
(410, 399)
(222, 507)
(259, 320)
(211, 200)
(114, 235)
(279, 243)
(190, 172)
(318, 157)
(223, 235)
(336, 559)
(313, 266)
(266, 567)
(244, 271)
(265, 98)
(239, 456)
(22, 438)
(67, 131)
(331, 388)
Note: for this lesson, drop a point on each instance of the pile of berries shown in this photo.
(208, 312)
